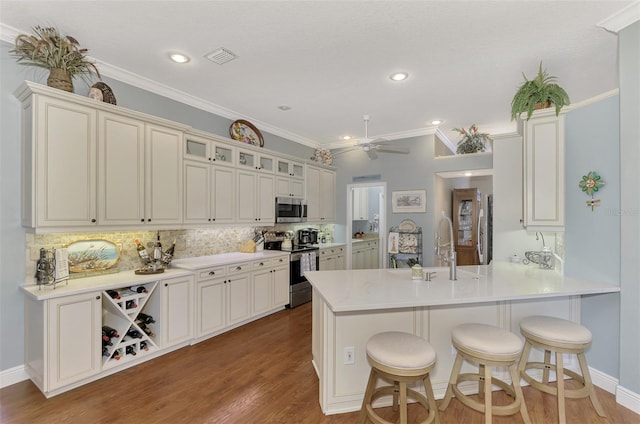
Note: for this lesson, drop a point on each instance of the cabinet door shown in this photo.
(74, 324)
(163, 179)
(328, 195)
(265, 198)
(312, 195)
(197, 192)
(210, 307)
(341, 262)
(281, 285)
(176, 310)
(544, 172)
(65, 164)
(246, 201)
(223, 194)
(262, 291)
(360, 204)
(238, 294)
(283, 187)
(297, 188)
(120, 170)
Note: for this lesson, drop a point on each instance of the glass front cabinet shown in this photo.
(466, 207)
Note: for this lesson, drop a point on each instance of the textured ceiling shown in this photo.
(330, 60)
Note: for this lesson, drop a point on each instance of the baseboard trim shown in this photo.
(604, 381)
(12, 376)
(628, 399)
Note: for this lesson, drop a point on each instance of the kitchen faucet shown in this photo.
(452, 257)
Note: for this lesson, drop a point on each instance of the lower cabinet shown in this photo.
(176, 299)
(365, 255)
(237, 295)
(332, 258)
(270, 286)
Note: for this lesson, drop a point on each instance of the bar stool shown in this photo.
(559, 336)
(401, 358)
(487, 346)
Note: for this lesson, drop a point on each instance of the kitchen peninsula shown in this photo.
(351, 306)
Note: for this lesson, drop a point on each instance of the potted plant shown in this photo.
(472, 141)
(61, 54)
(538, 93)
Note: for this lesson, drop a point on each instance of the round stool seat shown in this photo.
(486, 339)
(399, 350)
(555, 329)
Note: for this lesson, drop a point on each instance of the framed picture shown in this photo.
(409, 201)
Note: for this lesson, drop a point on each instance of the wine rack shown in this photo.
(121, 314)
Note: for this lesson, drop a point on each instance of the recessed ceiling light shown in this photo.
(179, 58)
(436, 122)
(346, 137)
(468, 174)
(399, 76)
(284, 107)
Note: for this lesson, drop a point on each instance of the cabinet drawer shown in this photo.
(265, 263)
(238, 268)
(209, 273)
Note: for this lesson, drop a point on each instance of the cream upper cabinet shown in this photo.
(223, 195)
(360, 204)
(59, 163)
(289, 178)
(256, 161)
(320, 194)
(289, 187)
(544, 172)
(209, 193)
(255, 198)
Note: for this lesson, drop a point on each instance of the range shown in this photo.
(303, 258)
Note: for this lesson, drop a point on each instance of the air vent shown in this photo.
(221, 56)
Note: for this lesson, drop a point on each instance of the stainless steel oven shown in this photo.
(299, 287)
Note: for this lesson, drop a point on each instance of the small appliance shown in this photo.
(290, 209)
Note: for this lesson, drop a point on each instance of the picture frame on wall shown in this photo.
(409, 201)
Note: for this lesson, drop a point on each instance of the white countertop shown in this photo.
(377, 289)
(328, 245)
(200, 262)
(98, 283)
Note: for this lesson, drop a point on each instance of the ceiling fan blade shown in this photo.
(345, 150)
(391, 149)
(378, 140)
(372, 154)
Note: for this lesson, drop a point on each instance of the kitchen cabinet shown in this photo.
(270, 285)
(255, 198)
(59, 163)
(140, 177)
(176, 299)
(238, 293)
(203, 148)
(259, 162)
(544, 171)
(289, 168)
(320, 194)
(289, 178)
(365, 255)
(360, 210)
(210, 301)
(466, 208)
(332, 258)
(209, 193)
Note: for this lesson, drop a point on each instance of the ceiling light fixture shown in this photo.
(346, 137)
(468, 174)
(399, 76)
(179, 57)
(284, 107)
(436, 122)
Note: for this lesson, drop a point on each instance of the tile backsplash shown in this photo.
(189, 243)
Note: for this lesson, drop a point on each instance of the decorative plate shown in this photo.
(92, 255)
(407, 225)
(407, 243)
(107, 93)
(245, 132)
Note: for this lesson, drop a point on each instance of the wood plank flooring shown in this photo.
(259, 373)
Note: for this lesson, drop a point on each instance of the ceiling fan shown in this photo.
(372, 146)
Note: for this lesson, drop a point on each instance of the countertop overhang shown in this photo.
(379, 289)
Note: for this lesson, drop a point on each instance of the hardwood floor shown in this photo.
(259, 373)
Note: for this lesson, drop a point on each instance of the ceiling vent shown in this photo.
(221, 56)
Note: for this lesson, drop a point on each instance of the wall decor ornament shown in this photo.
(590, 184)
(409, 201)
(246, 132)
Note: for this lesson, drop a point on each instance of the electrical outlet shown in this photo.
(349, 355)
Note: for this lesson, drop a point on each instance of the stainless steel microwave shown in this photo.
(290, 209)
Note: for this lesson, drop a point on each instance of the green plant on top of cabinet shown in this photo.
(320, 194)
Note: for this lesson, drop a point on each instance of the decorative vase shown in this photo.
(540, 105)
(60, 79)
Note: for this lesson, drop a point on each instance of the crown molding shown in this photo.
(622, 18)
(446, 141)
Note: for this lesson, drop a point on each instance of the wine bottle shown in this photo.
(142, 252)
(129, 350)
(105, 352)
(168, 255)
(143, 345)
(113, 294)
(147, 319)
(157, 249)
(106, 343)
(131, 304)
(138, 289)
(116, 355)
(134, 334)
(146, 329)
(111, 332)
(105, 337)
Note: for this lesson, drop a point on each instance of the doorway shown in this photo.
(366, 215)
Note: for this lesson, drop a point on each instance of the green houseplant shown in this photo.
(472, 141)
(538, 93)
(60, 54)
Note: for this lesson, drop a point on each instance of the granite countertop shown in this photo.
(378, 289)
